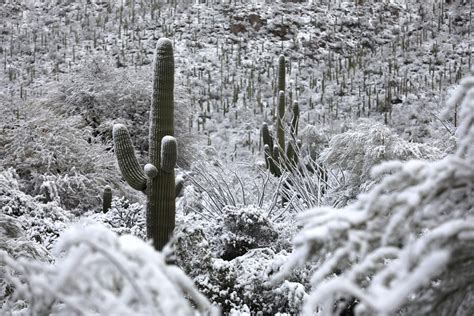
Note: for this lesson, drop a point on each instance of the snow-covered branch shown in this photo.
(406, 242)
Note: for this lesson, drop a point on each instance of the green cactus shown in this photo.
(281, 102)
(295, 120)
(281, 73)
(266, 136)
(179, 186)
(157, 178)
(280, 118)
(275, 155)
(106, 199)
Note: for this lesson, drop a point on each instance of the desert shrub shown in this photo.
(123, 218)
(241, 230)
(363, 146)
(57, 155)
(95, 271)
(232, 258)
(15, 242)
(406, 245)
(42, 222)
(217, 185)
(103, 94)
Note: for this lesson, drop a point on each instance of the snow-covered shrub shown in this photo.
(123, 217)
(50, 151)
(240, 284)
(404, 246)
(232, 258)
(240, 230)
(365, 145)
(43, 222)
(95, 271)
(102, 94)
(16, 244)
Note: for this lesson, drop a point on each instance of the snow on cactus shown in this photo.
(98, 272)
(404, 246)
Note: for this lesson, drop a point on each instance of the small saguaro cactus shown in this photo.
(280, 118)
(281, 102)
(106, 199)
(156, 179)
(281, 73)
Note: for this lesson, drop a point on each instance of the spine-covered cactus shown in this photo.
(106, 199)
(295, 120)
(281, 102)
(157, 179)
(281, 73)
(278, 156)
(280, 117)
(268, 150)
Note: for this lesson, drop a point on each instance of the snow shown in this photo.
(375, 218)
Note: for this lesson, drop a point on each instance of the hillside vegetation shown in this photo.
(322, 158)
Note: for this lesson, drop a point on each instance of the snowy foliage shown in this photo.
(405, 245)
(48, 150)
(71, 69)
(95, 271)
(123, 217)
(43, 222)
(365, 145)
(15, 242)
(217, 185)
(231, 259)
(103, 94)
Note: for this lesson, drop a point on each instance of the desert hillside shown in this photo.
(236, 157)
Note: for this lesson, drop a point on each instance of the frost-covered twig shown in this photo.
(98, 272)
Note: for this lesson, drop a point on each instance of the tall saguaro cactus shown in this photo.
(156, 179)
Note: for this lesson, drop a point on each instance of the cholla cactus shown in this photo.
(157, 179)
(404, 246)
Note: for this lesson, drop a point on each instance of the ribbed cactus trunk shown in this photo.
(106, 199)
(280, 117)
(156, 179)
(281, 73)
(160, 207)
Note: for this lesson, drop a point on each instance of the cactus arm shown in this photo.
(266, 136)
(179, 186)
(150, 171)
(295, 120)
(168, 153)
(126, 158)
(280, 116)
(277, 163)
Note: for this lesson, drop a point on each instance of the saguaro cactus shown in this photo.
(106, 199)
(281, 102)
(281, 73)
(156, 179)
(280, 118)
